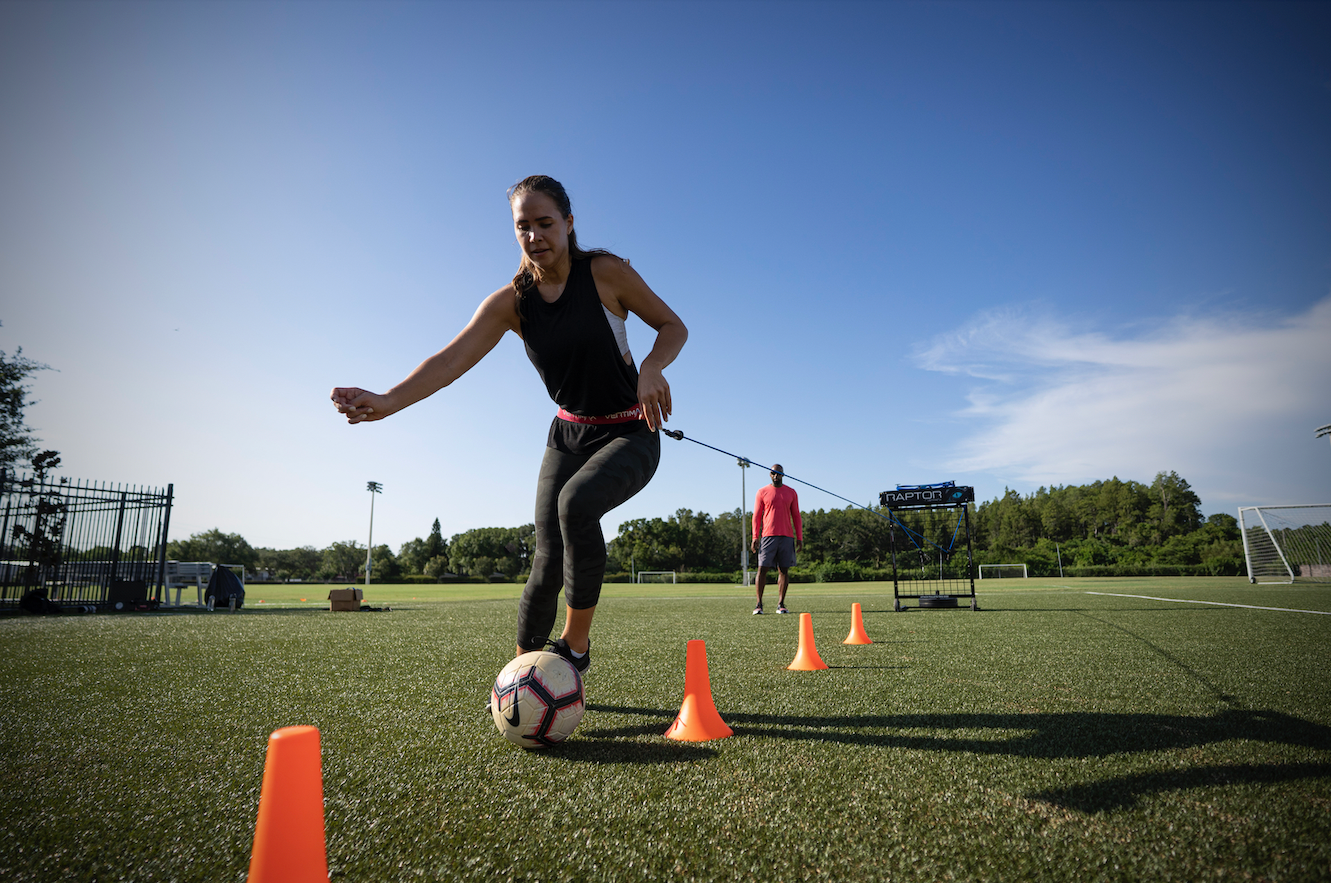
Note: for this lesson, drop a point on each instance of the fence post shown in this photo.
(161, 588)
(4, 533)
(115, 550)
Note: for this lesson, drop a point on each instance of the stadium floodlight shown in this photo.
(743, 504)
(373, 487)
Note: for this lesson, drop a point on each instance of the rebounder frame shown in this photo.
(946, 590)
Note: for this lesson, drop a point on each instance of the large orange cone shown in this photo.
(698, 719)
(289, 842)
(857, 635)
(807, 658)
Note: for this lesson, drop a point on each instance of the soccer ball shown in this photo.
(537, 700)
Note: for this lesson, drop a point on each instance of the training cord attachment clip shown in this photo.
(676, 434)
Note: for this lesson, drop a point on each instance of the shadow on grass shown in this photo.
(867, 667)
(593, 748)
(1123, 792)
(1059, 735)
(1053, 736)
(654, 729)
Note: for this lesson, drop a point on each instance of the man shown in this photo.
(776, 512)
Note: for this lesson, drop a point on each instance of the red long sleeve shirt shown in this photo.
(777, 510)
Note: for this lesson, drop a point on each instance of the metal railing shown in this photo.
(83, 542)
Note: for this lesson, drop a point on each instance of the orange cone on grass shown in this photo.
(698, 720)
(806, 658)
(857, 634)
(289, 845)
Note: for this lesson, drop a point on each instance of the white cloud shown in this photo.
(1222, 399)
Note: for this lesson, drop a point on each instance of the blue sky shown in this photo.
(1005, 244)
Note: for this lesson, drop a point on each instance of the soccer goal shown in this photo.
(929, 530)
(1285, 544)
(1004, 571)
(656, 576)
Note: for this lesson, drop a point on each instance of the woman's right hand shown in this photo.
(360, 405)
(496, 314)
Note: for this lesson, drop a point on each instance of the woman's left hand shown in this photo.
(654, 396)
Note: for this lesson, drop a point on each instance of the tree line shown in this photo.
(1112, 527)
(485, 553)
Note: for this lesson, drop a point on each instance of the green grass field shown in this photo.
(1052, 735)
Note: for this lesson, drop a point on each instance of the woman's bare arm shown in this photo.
(624, 291)
(496, 314)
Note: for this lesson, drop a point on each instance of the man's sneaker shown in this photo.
(758, 611)
(582, 663)
(782, 609)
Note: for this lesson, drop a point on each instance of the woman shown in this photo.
(568, 306)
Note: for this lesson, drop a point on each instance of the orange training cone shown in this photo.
(807, 658)
(857, 635)
(289, 842)
(698, 719)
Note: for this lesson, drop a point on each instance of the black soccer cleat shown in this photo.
(582, 663)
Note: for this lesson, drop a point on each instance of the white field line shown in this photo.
(1216, 603)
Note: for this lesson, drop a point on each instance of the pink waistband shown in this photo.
(634, 413)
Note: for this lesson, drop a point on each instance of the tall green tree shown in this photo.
(687, 541)
(343, 561)
(435, 544)
(1174, 508)
(17, 444)
(215, 546)
(43, 541)
(415, 554)
(384, 566)
(488, 550)
(301, 563)
(411, 556)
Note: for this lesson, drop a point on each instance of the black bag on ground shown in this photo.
(38, 601)
(127, 592)
(223, 586)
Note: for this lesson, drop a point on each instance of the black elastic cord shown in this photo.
(678, 435)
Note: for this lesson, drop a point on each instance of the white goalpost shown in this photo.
(656, 576)
(1004, 571)
(1286, 544)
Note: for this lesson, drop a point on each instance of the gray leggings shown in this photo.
(572, 494)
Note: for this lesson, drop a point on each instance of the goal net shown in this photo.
(656, 576)
(1003, 571)
(1285, 544)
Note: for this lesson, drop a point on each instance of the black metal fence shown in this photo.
(83, 542)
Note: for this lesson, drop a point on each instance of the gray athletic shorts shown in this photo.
(776, 552)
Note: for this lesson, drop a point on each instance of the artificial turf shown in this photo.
(1051, 735)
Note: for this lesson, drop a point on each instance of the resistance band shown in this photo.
(915, 537)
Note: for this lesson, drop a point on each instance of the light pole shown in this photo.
(743, 534)
(373, 487)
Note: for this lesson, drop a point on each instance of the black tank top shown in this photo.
(574, 350)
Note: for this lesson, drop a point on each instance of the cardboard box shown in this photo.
(346, 599)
